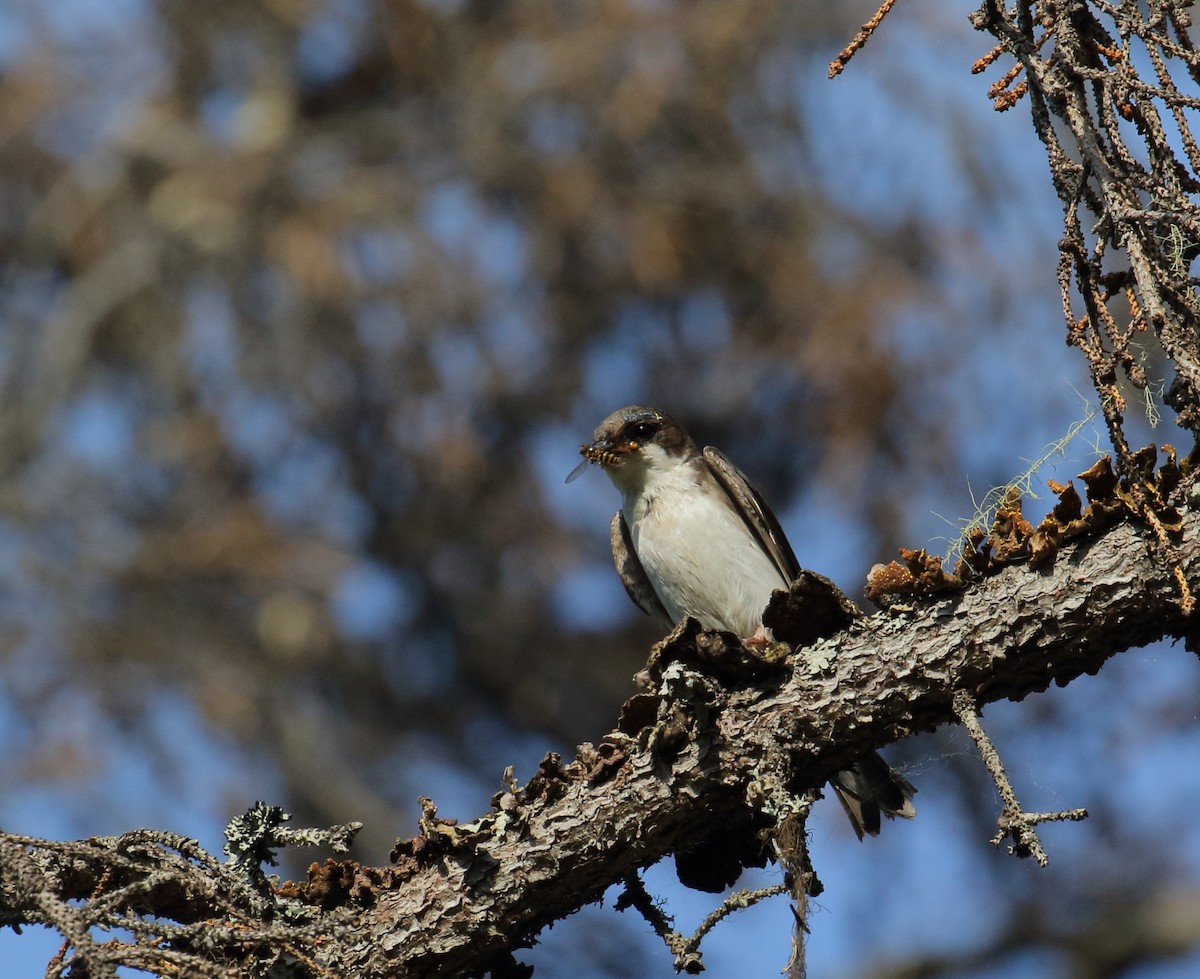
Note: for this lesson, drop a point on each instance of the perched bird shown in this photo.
(693, 537)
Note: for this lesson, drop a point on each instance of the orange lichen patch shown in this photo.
(335, 883)
(1009, 539)
(1109, 499)
(1146, 495)
(920, 574)
(892, 578)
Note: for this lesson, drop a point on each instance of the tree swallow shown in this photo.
(693, 537)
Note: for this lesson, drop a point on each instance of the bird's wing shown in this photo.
(633, 575)
(754, 512)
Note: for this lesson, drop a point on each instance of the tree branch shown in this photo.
(588, 825)
(1013, 821)
(697, 766)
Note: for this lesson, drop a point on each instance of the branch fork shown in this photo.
(1013, 821)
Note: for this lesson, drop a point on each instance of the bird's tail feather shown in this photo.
(869, 788)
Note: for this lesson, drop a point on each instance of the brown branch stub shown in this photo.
(813, 608)
(838, 65)
(1013, 821)
(720, 655)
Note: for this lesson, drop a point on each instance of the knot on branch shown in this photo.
(1019, 826)
(813, 608)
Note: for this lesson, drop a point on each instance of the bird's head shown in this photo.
(634, 443)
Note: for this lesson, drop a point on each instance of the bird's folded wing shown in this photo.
(754, 512)
(633, 575)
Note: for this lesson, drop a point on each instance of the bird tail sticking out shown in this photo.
(869, 787)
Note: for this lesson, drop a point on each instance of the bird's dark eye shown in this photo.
(643, 431)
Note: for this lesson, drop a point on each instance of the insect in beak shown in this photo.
(593, 453)
(575, 473)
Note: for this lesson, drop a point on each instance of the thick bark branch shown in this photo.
(887, 676)
(719, 760)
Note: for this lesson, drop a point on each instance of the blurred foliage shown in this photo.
(307, 306)
(293, 293)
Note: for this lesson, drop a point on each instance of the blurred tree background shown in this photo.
(307, 305)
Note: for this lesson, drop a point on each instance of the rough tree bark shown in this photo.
(714, 757)
(885, 677)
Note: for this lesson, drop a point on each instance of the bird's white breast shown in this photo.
(698, 554)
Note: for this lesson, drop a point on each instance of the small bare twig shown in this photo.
(637, 897)
(839, 63)
(1013, 821)
(687, 949)
(737, 901)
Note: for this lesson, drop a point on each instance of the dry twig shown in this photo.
(839, 63)
(1013, 821)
